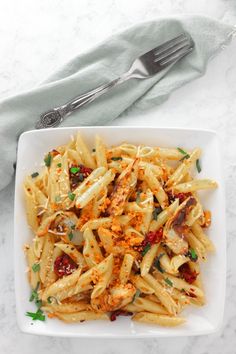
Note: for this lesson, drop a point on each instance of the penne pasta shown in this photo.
(161, 320)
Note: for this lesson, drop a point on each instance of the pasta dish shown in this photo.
(116, 231)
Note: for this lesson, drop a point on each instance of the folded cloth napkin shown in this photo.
(102, 64)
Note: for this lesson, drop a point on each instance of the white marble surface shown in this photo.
(37, 36)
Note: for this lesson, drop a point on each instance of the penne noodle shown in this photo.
(183, 168)
(156, 188)
(91, 251)
(126, 268)
(81, 316)
(84, 152)
(94, 224)
(200, 235)
(100, 152)
(145, 304)
(162, 294)
(70, 307)
(148, 259)
(33, 276)
(161, 320)
(94, 190)
(194, 185)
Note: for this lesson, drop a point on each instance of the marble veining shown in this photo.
(37, 36)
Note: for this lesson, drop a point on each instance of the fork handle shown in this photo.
(83, 99)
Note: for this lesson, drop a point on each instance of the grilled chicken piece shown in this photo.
(114, 298)
(124, 186)
(176, 228)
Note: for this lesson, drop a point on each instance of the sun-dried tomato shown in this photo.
(64, 265)
(187, 274)
(181, 196)
(153, 237)
(78, 176)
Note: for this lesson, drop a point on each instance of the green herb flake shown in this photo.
(49, 299)
(94, 150)
(136, 295)
(74, 170)
(36, 315)
(70, 236)
(57, 199)
(168, 281)
(36, 267)
(116, 158)
(35, 174)
(146, 249)
(138, 196)
(71, 196)
(156, 212)
(186, 155)
(34, 293)
(48, 160)
(157, 263)
(59, 164)
(182, 151)
(198, 166)
(192, 254)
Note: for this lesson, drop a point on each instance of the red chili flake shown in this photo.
(187, 274)
(64, 265)
(116, 313)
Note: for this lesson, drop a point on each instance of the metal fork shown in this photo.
(143, 67)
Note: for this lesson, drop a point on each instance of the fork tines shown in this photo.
(173, 50)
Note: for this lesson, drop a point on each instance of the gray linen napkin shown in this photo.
(102, 64)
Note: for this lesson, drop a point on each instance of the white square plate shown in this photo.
(32, 147)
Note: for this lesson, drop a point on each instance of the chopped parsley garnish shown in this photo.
(36, 267)
(168, 281)
(35, 174)
(186, 155)
(34, 294)
(57, 199)
(116, 158)
(156, 212)
(157, 263)
(192, 255)
(70, 236)
(198, 166)
(59, 164)
(146, 249)
(48, 159)
(74, 170)
(136, 295)
(94, 150)
(138, 196)
(71, 196)
(36, 315)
